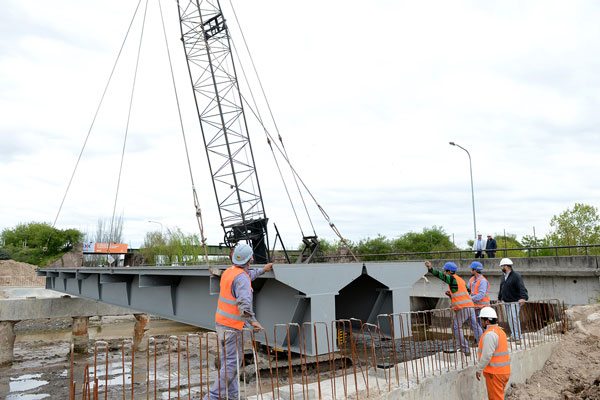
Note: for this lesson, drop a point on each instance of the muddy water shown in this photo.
(41, 366)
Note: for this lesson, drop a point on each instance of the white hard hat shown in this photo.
(506, 261)
(242, 254)
(488, 312)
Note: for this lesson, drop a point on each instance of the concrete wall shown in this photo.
(575, 279)
(462, 385)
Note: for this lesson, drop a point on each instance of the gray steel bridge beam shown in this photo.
(297, 294)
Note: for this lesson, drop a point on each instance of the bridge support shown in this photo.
(7, 341)
(80, 335)
(139, 331)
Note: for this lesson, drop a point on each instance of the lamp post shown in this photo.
(161, 226)
(472, 191)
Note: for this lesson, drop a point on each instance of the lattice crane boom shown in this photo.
(211, 67)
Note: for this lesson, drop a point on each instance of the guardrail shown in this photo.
(361, 361)
(516, 252)
(551, 251)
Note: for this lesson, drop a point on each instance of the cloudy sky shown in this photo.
(366, 96)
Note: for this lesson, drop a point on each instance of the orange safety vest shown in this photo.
(461, 298)
(485, 300)
(500, 361)
(227, 311)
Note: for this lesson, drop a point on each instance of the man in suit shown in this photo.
(512, 291)
(491, 246)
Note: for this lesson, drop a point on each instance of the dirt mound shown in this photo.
(19, 274)
(573, 369)
(16, 268)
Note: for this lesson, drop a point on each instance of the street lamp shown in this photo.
(156, 222)
(472, 191)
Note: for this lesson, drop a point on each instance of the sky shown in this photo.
(366, 96)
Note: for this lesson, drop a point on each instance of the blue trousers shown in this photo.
(512, 313)
(460, 316)
(230, 355)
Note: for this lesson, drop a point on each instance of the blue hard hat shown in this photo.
(450, 266)
(476, 265)
(242, 254)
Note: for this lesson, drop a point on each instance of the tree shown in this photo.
(509, 241)
(574, 227)
(378, 245)
(577, 226)
(530, 241)
(38, 242)
(174, 247)
(431, 239)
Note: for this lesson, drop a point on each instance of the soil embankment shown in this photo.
(573, 369)
(15, 273)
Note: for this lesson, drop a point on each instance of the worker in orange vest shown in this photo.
(234, 312)
(494, 359)
(462, 304)
(479, 287)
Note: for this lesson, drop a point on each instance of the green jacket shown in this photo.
(448, 279)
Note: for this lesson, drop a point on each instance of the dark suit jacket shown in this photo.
(491, 244)
(512, 289)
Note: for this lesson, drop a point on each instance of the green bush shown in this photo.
(5, 254)
(39, 243)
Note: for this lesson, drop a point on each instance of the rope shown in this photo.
(137, 63)
(194, 193)
(92, 124)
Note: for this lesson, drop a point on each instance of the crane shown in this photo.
(219, 103)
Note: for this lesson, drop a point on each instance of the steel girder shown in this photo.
(296, 294)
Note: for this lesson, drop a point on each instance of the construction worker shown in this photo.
(479, 287)
(494, 360)
(234, 312)
(513, 292)
(462, 305)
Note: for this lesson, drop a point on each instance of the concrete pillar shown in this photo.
(7, 341)
(139, 331)
(80, 335)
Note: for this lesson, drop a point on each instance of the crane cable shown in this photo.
(270, 112)
(137, 63)
(325, 215)
(284, 152)
(92, 124)
(194, 193)
(259, 118)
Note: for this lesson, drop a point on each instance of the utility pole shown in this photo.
(472, 190)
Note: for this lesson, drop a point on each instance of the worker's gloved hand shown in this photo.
(428, 265)
(448, 293)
